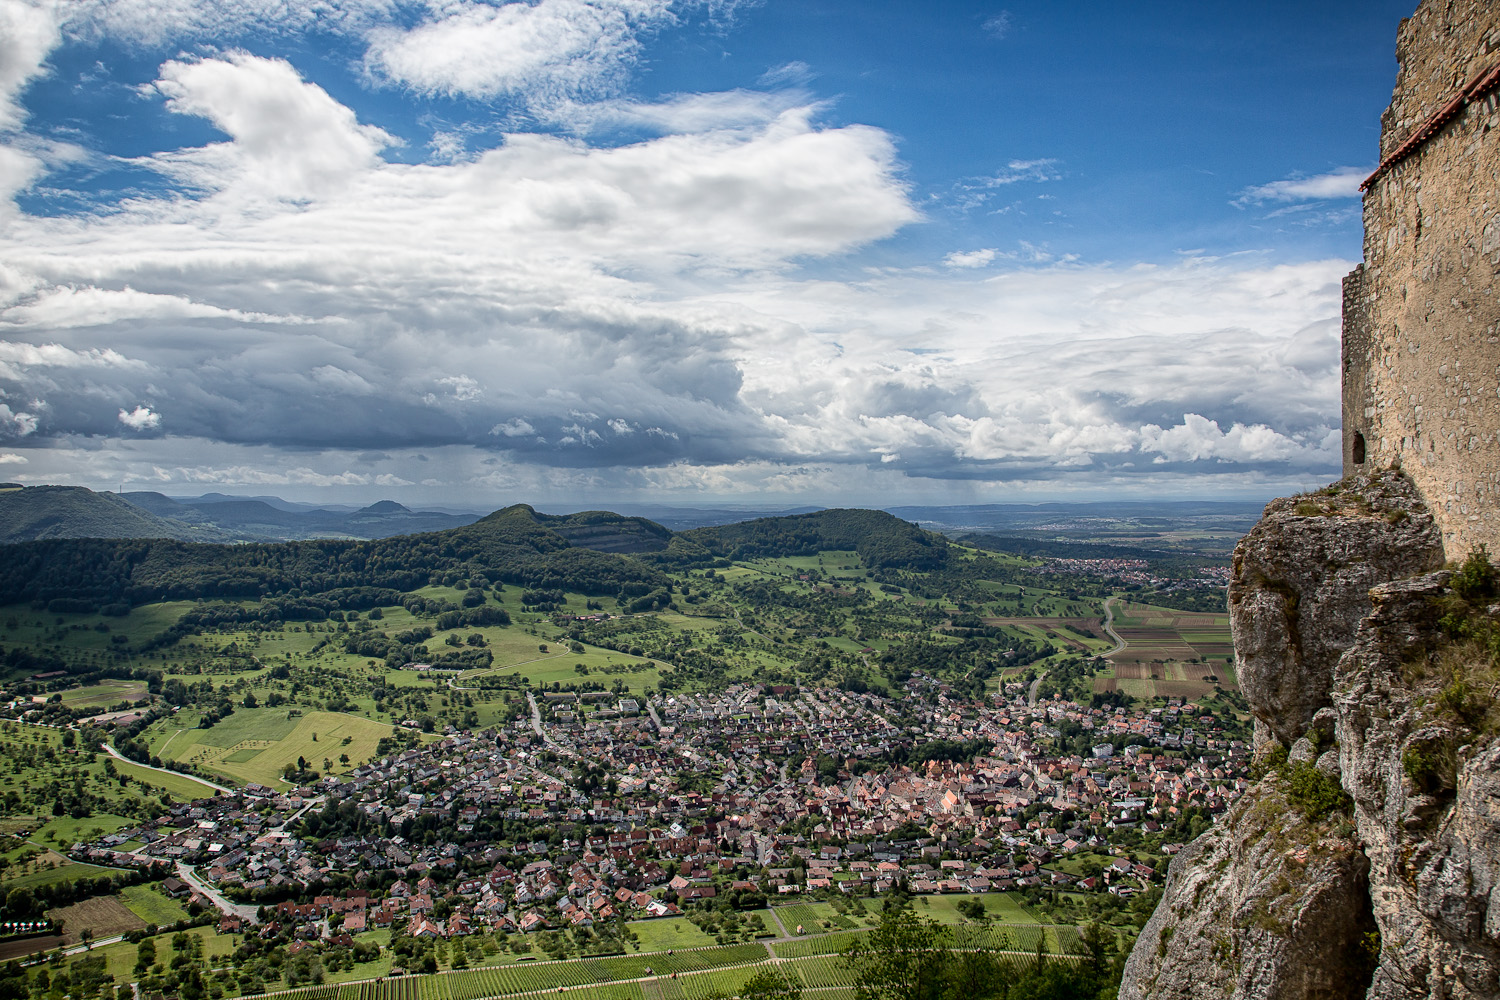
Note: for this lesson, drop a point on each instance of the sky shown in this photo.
(681, 251)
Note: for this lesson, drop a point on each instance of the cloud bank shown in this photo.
(550, 312)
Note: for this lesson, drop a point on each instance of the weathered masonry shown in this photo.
(1421, 341)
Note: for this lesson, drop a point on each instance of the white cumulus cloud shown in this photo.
(141, 418)
(290, 139)
(546, 49)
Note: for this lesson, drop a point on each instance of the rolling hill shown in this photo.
(36, 512)
(594, 552)
(260, 519)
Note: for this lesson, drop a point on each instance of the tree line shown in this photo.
(512, 546)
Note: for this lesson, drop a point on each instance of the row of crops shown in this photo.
(998, 937)
(519, 980)
(724, 982)
(823, 944)
(607, 991)
(827, 970)
(828, 993)
(703, 972)
(810, 917)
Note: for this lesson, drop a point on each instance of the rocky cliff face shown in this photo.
(1419, 754)
(1266, 904)
(1302, 579)
(1366, 861)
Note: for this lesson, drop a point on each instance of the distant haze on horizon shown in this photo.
(594, 252)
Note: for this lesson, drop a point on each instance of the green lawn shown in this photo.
(668, 932)
(152, 905)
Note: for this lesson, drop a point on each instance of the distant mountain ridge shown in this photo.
(592, 552)
(221, 517)
(273, 519)
(36, 512)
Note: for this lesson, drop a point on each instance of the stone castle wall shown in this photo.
(1421, 342)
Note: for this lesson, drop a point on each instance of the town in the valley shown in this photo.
(564, 819)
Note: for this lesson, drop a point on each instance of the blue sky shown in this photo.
(574, 251)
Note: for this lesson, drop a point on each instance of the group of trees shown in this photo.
(911, 958)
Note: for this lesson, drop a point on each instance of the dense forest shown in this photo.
(511, 546)
(514, 545)
(882, 540)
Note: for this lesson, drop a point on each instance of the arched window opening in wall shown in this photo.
(1357, 450)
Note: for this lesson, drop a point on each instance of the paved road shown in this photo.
(1109, 627)
(72, 949)
(189, 874)
(191, 777)
(536, 716)
(79, 949)
(1036, 687)
(536, 724)
(311, 803)
(242, 910)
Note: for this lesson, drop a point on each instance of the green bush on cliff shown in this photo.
(1315, 794)
(1476, 579)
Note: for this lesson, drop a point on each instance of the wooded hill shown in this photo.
(33, 512)
(582, 553)
(882, 540)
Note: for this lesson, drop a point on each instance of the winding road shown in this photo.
(1109, 626)
(1109, 630)
(162, 770)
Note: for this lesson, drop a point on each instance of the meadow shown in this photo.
(256, 744)
(151, 905)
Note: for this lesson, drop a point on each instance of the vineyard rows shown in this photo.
(607, 991)
(828, 993)
(702, 972)
(519, 980)
(827, 970)
(724, 982)
(824, 944)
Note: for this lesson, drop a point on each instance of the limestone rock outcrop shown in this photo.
(1301, 584)
(1426, 785)
(1368, 675)
(1265, 905)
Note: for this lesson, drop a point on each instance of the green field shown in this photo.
(180, 786)
(65, 871)
(668, 932)
(816, 918)
(152, 905)
(1002, 907)
(104, 694)
(254, 744)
